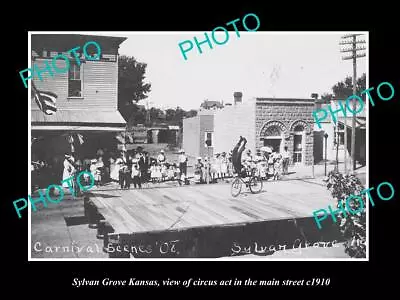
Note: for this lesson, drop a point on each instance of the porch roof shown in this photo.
(78, 120)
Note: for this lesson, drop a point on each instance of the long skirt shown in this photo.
(115, 172)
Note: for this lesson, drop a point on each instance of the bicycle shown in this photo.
(254, 183)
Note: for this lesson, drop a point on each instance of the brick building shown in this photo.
(270, 122)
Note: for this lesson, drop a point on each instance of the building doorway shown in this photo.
(273, 136)
(298, 145)
(274, 143)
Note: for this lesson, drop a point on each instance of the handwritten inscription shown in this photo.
(167, 247)
(260, 248)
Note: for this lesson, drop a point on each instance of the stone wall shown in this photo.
(286, 114)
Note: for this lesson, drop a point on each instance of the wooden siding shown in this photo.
(100, 85)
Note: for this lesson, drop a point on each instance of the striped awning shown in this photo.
(79, 120)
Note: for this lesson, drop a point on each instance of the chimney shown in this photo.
(237, 97)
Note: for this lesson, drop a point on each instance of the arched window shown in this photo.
(299, 128)
(273, 131)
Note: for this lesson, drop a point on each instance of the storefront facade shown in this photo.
(286, 122)
(87, 116)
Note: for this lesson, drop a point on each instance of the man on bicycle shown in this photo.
(237, 157)
(254, 183)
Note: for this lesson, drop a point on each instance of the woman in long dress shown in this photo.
(114, 170)
(69, 171)
(99, 170)
(224, 165)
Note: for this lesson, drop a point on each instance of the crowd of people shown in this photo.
(137, 167)
(127, 167)
(265, 163)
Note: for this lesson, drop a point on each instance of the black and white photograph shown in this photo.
(230, 145)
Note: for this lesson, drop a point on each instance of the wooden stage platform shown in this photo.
(209, 213)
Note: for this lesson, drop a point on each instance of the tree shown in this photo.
(343, 89)
(179, 114)
(170, 115)
(326, 97)
(191, 113)
(156, 115)
(131, 85)
(136, 114)
(352, 226)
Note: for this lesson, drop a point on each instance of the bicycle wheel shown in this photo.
(236, 187)
(255, 184)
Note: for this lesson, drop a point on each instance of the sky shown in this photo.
(258, 64)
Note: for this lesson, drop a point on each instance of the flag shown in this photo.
(80, 138)
(46, 101)
(75, 137)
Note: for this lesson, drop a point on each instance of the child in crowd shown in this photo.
(158, 174)
(164, 173)
(278, 166)
(86, 176)
(171, 172)
(95, 171)
(153, 172)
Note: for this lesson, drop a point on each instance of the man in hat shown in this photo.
(207, 170)
(237, 157)
(125, 169)
(224, 165)
(182, 159)
(146, 166)
(199, 166)
(141, 163)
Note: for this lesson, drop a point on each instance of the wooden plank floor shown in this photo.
(154, 209)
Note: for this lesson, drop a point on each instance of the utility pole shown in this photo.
(147, 113)
(354, 42)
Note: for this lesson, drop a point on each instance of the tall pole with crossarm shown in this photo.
(353, 42)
